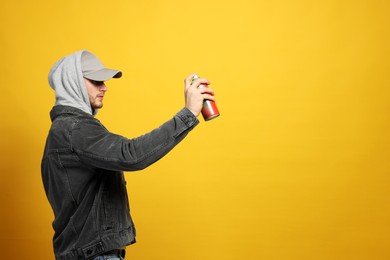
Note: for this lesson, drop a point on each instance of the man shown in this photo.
(83, 163)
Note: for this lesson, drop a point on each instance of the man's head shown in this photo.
(95, 73)
(78, 81)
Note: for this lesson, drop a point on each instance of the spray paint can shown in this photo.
(209, 109)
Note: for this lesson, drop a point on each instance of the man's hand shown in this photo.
(194, 95)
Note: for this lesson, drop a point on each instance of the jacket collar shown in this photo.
(60, 110)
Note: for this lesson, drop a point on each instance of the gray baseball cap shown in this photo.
(94, 69)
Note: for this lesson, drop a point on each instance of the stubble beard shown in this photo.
(96, 104)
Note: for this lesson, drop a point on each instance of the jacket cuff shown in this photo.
(188, 118)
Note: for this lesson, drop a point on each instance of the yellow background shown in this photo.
(297, 165)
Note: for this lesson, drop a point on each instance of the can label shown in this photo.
(209, 110)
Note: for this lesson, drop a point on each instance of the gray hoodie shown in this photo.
(66, 79)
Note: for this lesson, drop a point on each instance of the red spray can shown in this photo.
(209, 109)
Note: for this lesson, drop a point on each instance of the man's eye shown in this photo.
(98, 83)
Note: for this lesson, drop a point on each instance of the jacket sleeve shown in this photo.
(97, 147)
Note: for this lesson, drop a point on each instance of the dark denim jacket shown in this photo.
(82, 174)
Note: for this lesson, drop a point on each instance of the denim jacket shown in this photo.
(82, 172)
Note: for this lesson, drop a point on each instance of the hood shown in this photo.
(66, 79)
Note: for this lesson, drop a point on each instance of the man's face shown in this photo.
(96, 91)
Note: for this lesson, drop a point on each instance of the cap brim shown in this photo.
(104, 74)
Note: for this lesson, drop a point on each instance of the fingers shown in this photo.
(187, 81)
(208, 97)
(199, 82)
(206, 93)
(196, 83)
(206, 90)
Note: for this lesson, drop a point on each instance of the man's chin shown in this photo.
(97, 106)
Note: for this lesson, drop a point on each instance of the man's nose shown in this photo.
(103, 87)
